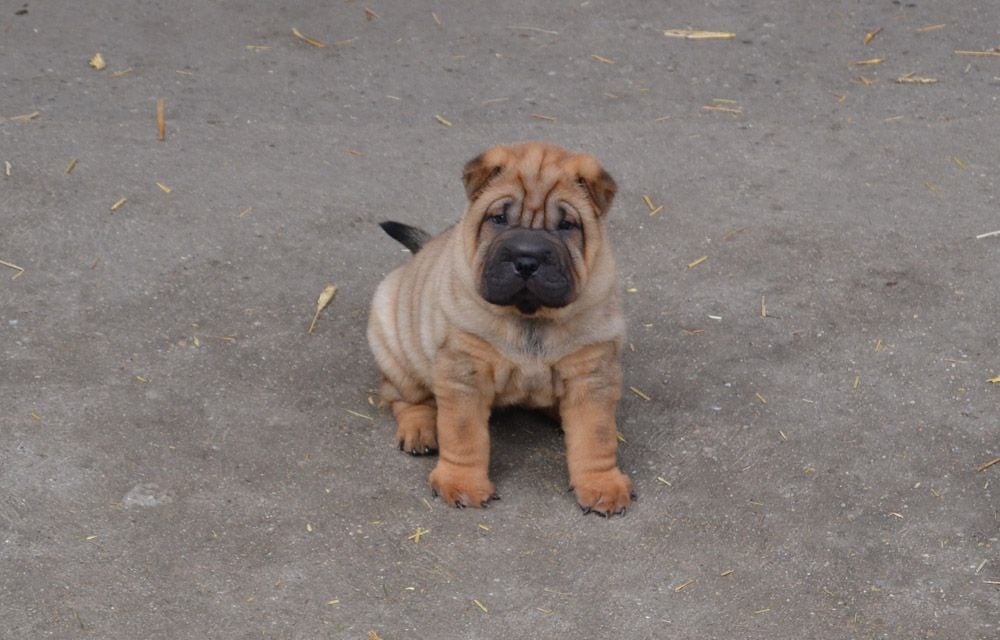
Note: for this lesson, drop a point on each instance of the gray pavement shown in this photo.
(180, 459)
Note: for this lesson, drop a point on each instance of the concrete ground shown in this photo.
(180, 459)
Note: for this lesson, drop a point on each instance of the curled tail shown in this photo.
(410, 237)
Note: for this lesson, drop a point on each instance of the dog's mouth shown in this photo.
(529, 270)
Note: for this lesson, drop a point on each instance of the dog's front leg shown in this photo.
(592, 381)
(463, 387)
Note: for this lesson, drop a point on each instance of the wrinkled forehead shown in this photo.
(538, 171)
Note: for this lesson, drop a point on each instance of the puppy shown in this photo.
(517, 304)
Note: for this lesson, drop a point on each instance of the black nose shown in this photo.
(525, 265)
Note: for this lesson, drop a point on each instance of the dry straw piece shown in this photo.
(723, 105)
(653, 210)
(987, 465)
(307, 40)
(20, 270)
(871, 35)
(913, 78)
(639, 393)
(161, 124)
(97, 62)
(324, 299)
(684, 585)
(693, 34)
(419, 533)
(551, 33)
(992, 52)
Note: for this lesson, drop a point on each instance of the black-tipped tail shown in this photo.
(410, 237)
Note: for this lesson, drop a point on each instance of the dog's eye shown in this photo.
(565, 222)
(500, 219)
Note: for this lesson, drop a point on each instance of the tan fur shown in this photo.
(448, 356)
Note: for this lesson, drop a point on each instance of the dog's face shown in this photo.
(534, 226)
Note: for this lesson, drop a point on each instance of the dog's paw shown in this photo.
(417, 433)
(462, 488)
(607, 493)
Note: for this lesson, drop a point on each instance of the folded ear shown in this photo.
(600, 186)
(480, 170)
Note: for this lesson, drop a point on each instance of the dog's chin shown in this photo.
(525, 301)
(528, 306)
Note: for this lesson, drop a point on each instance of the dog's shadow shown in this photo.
(522, 439)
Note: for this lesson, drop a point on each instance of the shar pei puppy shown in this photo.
(516, 304)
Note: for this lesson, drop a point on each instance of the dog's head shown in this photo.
(534, 229)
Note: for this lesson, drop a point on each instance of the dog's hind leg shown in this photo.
(417, 426)
(416, 415)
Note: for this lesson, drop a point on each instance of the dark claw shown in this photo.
(570, 489)
(495, 496)
(428, 450)
(434, 492)
(622, 512)
(459, 505)
(603, 514)
(400, 445)
(633, 495)
(585, 510)
(485, 504)
(413, 452)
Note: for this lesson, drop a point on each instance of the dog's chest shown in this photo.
(530, 383)
(525, 371)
